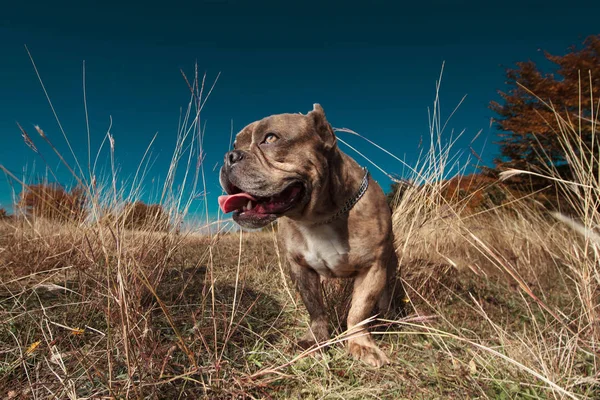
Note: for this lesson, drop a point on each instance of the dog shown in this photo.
(334, 220)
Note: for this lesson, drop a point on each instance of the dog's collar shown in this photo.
(351, 202)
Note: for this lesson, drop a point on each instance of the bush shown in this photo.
(139, 215)
(53, 202)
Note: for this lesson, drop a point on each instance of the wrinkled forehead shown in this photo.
(288, 126)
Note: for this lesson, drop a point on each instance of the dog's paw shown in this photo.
(368, 353)
(308, 341)
(317, 334)
(305, 344)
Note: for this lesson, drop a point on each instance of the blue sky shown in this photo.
(372, 66)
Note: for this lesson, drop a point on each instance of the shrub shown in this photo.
(53, 202)
(139, 215)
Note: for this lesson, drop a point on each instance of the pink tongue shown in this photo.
(234, 201)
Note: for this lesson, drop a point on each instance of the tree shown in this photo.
(529, 137)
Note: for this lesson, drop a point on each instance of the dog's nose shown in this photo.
(233, 156)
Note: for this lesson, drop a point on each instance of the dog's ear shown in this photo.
(323, 128)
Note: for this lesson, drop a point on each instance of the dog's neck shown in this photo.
(341, 182)
(345, 177)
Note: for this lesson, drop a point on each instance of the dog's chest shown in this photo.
(324, 250)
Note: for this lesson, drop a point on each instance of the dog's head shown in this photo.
(276, 166)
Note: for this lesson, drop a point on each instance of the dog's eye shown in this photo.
(270, 138)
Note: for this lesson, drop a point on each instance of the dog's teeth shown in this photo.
(249, 205)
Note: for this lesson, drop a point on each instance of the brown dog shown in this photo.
(334, 219)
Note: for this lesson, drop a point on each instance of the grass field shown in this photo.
(495, 312)
(501, 302)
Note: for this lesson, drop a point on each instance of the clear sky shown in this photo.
(371, 65)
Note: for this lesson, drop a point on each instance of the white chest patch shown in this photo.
(323, 249)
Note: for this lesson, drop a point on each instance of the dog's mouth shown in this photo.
(248, 207)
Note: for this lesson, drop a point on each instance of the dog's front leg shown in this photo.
(368, 288)
(308, 283)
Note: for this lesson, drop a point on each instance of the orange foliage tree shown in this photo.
(528, 128)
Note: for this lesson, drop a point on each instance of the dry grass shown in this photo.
(502, 303)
